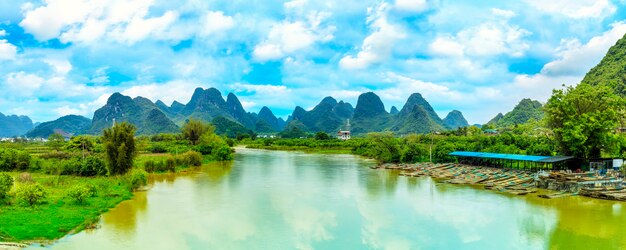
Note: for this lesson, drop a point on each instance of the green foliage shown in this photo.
(525, 110)
(119, 143)
(170, 164)
(222, 153)
(191, 158)
(82, 143)
(229, 128)
(194, 129)
(137, 178)
(31, 194)
(6, 183)
(583, 119)
(322, 136)
(80, 193)
(295, 129)
(92, 166)
(211, 144)
(56, 141)
(13, 159)
(381, 146)
(611, 70)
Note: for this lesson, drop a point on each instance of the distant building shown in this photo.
(343, 135)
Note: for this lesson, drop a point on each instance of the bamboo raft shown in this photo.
(515, 182)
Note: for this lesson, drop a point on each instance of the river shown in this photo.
(291, 200)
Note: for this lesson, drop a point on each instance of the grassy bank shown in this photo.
(59, 214)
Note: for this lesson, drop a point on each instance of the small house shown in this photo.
(343, 135)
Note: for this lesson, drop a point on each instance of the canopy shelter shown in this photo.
(526, 162)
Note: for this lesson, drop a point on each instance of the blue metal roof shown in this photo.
(515, 157)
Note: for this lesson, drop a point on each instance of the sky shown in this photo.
(61, 57)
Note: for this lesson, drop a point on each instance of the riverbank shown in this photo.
(59, 214)
(306, 149)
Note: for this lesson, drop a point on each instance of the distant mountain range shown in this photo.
(525, 110)
(230, 118)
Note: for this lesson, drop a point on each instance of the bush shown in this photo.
(191, 158)
(80, 193)
(6, 183)
(119, 143)
(12, 159)
(71, 166)
(92, 166)
(149, 166)
(170, 164)
(223, 153)
(31, 193)
(157, 148)
(137, 178)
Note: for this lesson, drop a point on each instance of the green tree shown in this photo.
(583, 119)
(119, 143)
(56, 141)
(321, 136)
(194, 129)
(6, 183)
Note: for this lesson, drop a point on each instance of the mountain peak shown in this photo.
(394, 110)
(369, 105)
(455, 120)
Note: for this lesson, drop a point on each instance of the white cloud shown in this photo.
(288, 37)
(403, 86)
(3, 33)
(503, 13)
(90, 20)
(411, 5)
(575, 58)
(23, 84)
(7, 50)
(490, 39)
(446, 46)
(216, 21)
(378, 46)
(61, 67)
(575, 9)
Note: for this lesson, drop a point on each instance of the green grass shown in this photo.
(59, 215)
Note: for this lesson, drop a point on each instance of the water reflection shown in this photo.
(292, 200)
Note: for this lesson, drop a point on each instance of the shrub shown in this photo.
(170, 164)
(24, 178)
(6, 183)
(157, 148)
(149, 166)
(137, 178)
(92, 166)
(71, 166)
(223, 153)
(80, 193)
(31, 193)
(12, 159)
(191, 158)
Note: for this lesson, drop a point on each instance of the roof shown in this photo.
(515, 157)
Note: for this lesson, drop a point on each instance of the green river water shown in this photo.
(291, 200)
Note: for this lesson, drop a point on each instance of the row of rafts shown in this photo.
(518, 182)
(504, 180)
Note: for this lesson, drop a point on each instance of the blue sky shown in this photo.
(60, 57)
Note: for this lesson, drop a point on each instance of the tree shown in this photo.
(321, 136)
(583, 119)
(194, 129)
(119, 144)
(56, 141)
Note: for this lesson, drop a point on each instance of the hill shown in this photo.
(13, 125)
(611, 70)
(67, 126)
(455, 120)
(525, 110)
